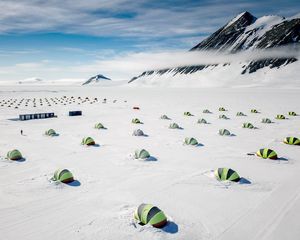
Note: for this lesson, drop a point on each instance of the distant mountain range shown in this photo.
(96, 79)
(243, 33)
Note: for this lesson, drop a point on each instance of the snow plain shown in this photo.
(110, 185)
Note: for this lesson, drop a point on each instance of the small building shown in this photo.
(75, 113)
(31, 116)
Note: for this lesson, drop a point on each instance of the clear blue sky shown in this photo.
(38, 37)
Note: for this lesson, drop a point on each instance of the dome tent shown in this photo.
(206, 111)
(14, 155)
(280, 116)
(88, 141)
(222, 109)
(292, 141)
(51, 133)
(63, 175)
(222, 116)
(202, 120)
(266, 120)
(292, 114)
(188, 114)
(224, 132)
(141, 154)
(226, 174)
(164, 117)
(174, 126)
(138, 132)
(267, 153)
(248, 125)
(254, 111)
(190, 141)
(240, 114)
(149, 214)
(99, 126)
(136, 121)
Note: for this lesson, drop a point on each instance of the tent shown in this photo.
(222, 116)
(99, 126)
(266, 120)
(280, 116)
(206, 111)
(224, 132)
(226, 174)
(292, 141)
(50, 132)
(165, 117)
(63, 175)
(188, 114)
(202, 120)
(254, 111)
(240, 114)
(136, 121)
(222, 109)
(267, 153)
(248, 125)
(292, 114)
(138, 132)
(174, 126)
(190, 141)
(149, 214)
(88, 141)
(141, 154)
(14, 155)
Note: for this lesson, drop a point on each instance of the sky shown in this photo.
(71, 39)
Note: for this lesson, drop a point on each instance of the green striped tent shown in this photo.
(174, 126)
(240, 114)
(292, 141)
(222, 116)
(149, 214)
(187, 114)
(266, 120)
(88, 141)
(206, 111)
(190, 141)
(254, 111)
(141, 154)
(63, 175)
(224, 132)
(280, 116)
(266, 153)
(226, 174)
(202, 120)
(99, 126)
(50, 132)
(222, 109)
(164, 117)
(14, 155)
(292, 114)
(136, 121)
(248, 125)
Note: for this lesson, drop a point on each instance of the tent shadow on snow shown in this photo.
(151, 159)
(171, 227)
(244, 181)
(20, 160)
(75, 183)
(282, 159)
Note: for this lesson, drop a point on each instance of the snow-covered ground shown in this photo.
(110, 185)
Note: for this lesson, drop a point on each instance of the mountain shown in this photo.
(32, 80)
(244, 33)
(96, 79)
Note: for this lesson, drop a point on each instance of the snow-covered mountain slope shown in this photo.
(244, 33)
(96, 79)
